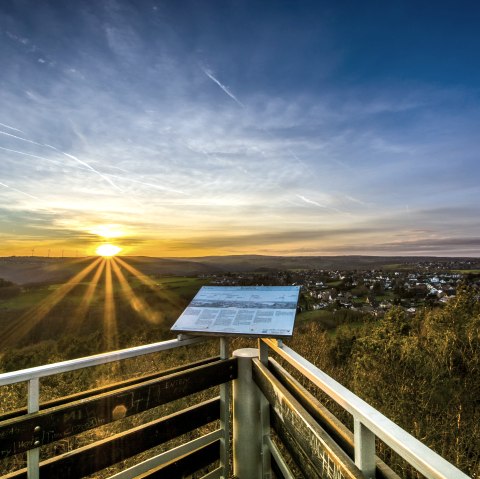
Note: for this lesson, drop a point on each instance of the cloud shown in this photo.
(452, 246)
(283, 237)
(164, 156)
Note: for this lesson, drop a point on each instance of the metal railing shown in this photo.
(368, 422)
(272, 413)
(39, 425)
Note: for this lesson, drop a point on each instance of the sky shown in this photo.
(191, 128)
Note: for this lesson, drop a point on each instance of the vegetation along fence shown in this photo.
(279, 429)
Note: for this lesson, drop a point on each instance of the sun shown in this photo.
(108, 250)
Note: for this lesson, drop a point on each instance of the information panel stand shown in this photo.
(257, 311)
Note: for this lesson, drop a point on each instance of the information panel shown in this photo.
(241, 310)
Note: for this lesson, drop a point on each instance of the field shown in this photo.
(325, 318)
(128, 308)
(330, 320)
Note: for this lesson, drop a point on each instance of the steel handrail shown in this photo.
(422, 458)
(96, 360)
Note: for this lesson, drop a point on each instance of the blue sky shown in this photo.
(179, 128)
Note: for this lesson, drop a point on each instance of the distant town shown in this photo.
(375, 291)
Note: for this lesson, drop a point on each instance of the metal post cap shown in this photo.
(246, 353)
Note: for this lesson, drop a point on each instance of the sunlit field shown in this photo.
(109, 300)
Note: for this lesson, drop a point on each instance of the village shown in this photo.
(368, 291)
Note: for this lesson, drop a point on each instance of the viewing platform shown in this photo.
(260, 421)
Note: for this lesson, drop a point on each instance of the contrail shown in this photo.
(11, 127)
(91, 168)
(55, 162)
(83, 168)
(223, 87)
(152, 185)
(20, 138)
(355, 200)
(18, 191)
(311, 202)
(234, 98)
(108, 180)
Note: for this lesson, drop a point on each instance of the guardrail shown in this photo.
(289, 414)
(39, 425)
(278, 426)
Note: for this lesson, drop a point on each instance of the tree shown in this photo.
(8, 289)
(424, 375)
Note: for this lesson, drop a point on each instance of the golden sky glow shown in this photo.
(201, 155)
(108, 231)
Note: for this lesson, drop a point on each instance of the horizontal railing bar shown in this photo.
(215, 474)
(111, 387)
(302, 461)
(422, 458)
(300, 424)
(169, 455)
(37, 429)
(337, 430)
(98, 455)
(278, 460)
(187, 464)
(95, 360)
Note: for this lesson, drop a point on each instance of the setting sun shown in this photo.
(108, 250)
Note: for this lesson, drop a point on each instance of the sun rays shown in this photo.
(109, 316)
(146, 280)
(108, 282)
(137, 303)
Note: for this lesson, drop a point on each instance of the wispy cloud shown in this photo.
(222, 86)
(133, 115)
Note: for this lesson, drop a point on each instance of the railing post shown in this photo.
(247, 426)
(33, 455)
(265, 418)
(225, 401)
(364, 443)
